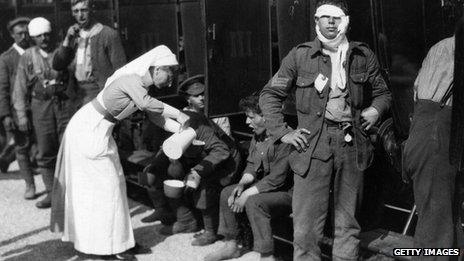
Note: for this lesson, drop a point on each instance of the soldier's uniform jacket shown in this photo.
(8, 64)
(37, 79)
(298, 72)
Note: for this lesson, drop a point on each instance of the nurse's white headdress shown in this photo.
(158, 56)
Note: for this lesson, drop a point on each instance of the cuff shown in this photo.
(204, 168)
(21, 115)
(279, 133)
(170, 111)
(381, 108)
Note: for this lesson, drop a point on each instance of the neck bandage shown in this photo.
(337, 46)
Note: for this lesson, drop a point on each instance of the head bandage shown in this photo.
(338, 45)
(333, 11)
(38, 26)
(329, 10)
(158, 56)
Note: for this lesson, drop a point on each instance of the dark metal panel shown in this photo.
(295, 24)
(238, 47)
(194, 41)
(32, 10)
(7, 13)
(144, 26)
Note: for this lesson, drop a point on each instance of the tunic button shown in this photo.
(319, 114)
(324, 60)
(321, 96)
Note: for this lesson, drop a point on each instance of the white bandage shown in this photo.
(38, 26)
(334, 11)
(170, 111)
(329, 10)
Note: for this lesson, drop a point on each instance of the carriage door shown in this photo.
(238, 52)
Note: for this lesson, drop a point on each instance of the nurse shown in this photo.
(89, 204)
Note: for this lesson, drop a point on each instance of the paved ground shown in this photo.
(24, 233)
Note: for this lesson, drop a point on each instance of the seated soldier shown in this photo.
(193, 90)
(264, 191)
(211, 163)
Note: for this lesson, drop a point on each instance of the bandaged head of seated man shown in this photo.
(332, 20)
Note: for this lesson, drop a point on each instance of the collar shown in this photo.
(43, 53)
(18, 49)
(261, 137)
(315, 47)
(92, 31)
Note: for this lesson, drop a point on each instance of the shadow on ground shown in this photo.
(46, 250)
(10, 175)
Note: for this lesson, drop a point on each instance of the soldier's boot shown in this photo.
(211, 222)
(162, 211)
(185, 220)
(47, 177)
(230, 250)
(27, 174)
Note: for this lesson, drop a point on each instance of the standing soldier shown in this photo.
(40, 88)
(340, 95)
(433, 152)
(91, 51)
(8, 64)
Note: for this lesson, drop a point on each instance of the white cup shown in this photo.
(173, 188)
(176, 145)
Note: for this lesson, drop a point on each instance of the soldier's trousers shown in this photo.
(49, 118)
(333, 165)
(435, 182)
(260, 209)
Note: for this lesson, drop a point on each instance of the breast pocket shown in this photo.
(304, 87)
(359, 89)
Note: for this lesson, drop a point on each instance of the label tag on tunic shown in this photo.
(80, 56)
(320, 82)
(348, 138)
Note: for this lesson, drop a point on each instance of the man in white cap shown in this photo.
(340, 94)
(8, 64)
(49, 102)
(91, 50)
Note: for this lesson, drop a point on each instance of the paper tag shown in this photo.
(320, 82)
(198, 143)
(80, 56)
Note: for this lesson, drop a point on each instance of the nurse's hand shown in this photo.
(182, 118)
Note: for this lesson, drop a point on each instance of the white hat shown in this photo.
(38, 26)
(158, 56)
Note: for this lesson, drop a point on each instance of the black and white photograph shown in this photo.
(247, 130)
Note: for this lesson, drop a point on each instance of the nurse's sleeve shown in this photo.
(139, 95)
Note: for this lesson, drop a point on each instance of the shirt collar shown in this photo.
(43, 53)
(19, 49)
(261, 137)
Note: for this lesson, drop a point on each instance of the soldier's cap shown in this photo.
(17, 20)
(193, 85)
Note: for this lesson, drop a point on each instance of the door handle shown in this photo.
(212, 31)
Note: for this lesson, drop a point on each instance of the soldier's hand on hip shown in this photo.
(8, 123)
(370, 116)
(24, 125)
(297, 138)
